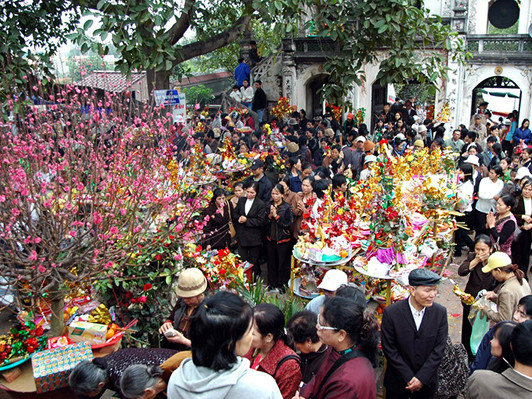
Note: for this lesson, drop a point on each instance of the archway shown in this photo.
(379, 97)
(502, 94)
(314, 100)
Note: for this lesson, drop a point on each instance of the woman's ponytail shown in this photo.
(369, 337)
(519, 274)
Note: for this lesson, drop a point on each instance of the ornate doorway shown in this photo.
(379, 97)
(314, 98)
(502, 94)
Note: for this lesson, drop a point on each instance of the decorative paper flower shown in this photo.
(282, 109)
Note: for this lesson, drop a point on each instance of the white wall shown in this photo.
(439, 7)
(473, 75)
(525, 16)
(477, 22)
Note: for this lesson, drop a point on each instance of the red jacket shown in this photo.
(288, 376)
(355, 379)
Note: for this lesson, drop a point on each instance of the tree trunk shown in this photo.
(57, 323)
(158, 80)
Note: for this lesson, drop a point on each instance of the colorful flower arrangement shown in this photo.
(337, 111)
(21, 342)
(199, 127)
(231, 161)
(445, 114)
(266, 129)
(219, 266)
(282, 109)
(401, 216)
(360, 115)
(238, 110)
(430, 112)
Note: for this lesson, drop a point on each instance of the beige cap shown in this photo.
(191, 283)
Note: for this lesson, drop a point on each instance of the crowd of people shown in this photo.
(223, 347)
(220, 346)
(495, 190)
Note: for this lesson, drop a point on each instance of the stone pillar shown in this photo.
(288, 72)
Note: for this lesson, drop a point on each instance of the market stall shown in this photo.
(401, 218)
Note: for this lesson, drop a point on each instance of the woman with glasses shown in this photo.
(348, 368)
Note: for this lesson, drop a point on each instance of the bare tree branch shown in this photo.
(177, 31)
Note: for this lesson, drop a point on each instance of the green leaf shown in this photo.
(88, 23)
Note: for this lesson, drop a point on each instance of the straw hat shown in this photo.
(292, 147)
(191, 283)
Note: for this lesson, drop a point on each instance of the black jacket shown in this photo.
(217, 228)
(282, 224)
(249, 234)
(478, 280)
(311, 363)
(409, 352)
(259, 100)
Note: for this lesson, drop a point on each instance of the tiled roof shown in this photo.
(111, 81)
(203, 78)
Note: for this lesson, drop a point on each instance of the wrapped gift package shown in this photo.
(52, 367)
(82, 331)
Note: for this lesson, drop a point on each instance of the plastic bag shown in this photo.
(480, 328)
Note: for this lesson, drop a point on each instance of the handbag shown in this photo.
(232, 230)
(453, 370)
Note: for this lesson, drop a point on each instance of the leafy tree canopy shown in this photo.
(151, 34)
(198, 94)
(79, 66)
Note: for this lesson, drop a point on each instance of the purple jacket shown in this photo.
(355, 379)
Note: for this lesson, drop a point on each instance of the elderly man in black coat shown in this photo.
(414, 333)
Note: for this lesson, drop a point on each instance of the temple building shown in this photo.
(498, 72)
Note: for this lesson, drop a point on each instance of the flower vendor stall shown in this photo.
(101, 203)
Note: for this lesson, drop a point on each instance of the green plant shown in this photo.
(256, 292)
(253, 292)
(198, 94)
(145, 295)
(289, 305)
